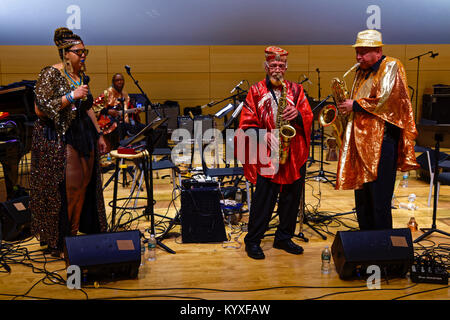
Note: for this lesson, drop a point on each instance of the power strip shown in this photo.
(428, 273)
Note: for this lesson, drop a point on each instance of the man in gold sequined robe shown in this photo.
(379, 136)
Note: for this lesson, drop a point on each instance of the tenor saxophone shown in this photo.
(329, 115)
(286, 130)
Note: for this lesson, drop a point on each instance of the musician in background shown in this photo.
(380, 132)
(260, 113)
(115, 114)
(66, 189)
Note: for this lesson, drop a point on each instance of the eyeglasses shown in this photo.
(80, 52)
(273, 66)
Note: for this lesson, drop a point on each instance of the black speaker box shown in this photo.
(207, 122)
(105, 256)
(391, 250)
(185, 122)
(436, 107)
(171, 112)
(201, 216)
(15, 218)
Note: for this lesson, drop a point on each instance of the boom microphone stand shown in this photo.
(148, 102)
(432, 55)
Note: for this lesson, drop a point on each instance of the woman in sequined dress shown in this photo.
(66, 190)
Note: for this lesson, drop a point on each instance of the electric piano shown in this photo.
(16, 128)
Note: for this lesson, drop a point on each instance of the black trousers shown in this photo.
(374, 201)
(263, 204)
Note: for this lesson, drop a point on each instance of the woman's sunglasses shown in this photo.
(80, 52)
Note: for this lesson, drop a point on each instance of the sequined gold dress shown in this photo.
(51, 134)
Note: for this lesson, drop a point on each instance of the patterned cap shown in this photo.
(275, 53)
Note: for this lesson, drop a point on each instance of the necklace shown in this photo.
(74, 84)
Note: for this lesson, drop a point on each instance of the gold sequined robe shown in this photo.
(384, 95)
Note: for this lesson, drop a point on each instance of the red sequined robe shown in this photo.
(259, 111)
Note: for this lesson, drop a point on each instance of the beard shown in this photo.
(276, 78)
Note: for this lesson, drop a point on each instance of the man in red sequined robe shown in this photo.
(259, 116)
(379, 135)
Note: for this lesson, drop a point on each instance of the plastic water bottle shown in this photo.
(411, 204)
(326, 260)
(151, 248)
(143, 258)
(405, 180)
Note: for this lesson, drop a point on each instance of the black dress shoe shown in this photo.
(254, 251)
(288, 246)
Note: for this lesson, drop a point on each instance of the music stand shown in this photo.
(440, 131)
(321, 176)
(149, 212)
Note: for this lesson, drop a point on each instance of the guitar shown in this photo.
(108, 123)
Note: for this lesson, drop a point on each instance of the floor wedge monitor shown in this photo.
(390, 250)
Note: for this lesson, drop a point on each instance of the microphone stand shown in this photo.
(417, 79)
(148, 102)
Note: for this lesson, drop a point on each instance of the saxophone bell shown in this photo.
(329, 114)
(327, 117)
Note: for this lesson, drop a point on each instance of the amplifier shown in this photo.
(201, 216)
(188, 184)
(436, 107)
(441, 89)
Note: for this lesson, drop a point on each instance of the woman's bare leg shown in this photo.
(78, 174)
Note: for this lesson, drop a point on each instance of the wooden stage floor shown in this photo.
(222, 271)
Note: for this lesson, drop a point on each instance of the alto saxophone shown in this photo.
(329, 114)
(287, 132)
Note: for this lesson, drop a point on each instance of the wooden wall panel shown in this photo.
(164, 59)
(196, 75)
(27, 59)
(331, 58)
(171, 86)
(237, 58)
(7, 78)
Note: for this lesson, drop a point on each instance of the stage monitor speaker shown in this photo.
(15, 218)
(105, 256)
(201, 216)
(436, 107)
(354, 251)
